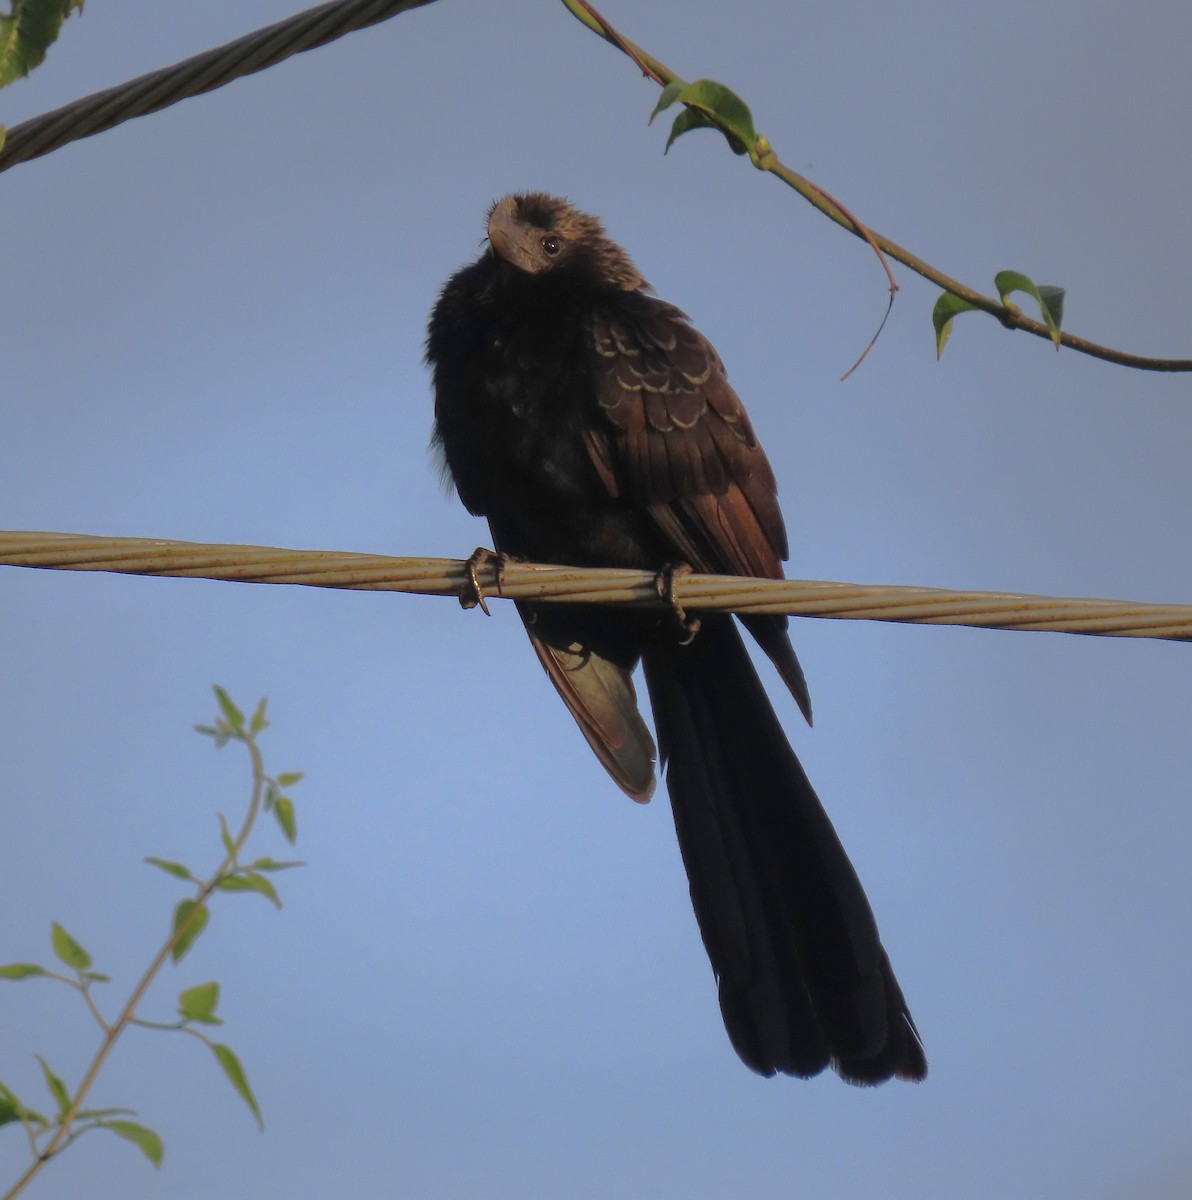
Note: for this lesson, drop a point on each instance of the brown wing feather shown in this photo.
(679, 443)
(600, 694)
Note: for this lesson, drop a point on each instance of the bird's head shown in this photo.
(544, 236)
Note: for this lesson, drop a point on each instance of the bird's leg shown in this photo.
(665, 581)
(473, 594)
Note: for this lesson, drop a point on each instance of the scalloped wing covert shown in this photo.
(679, 443)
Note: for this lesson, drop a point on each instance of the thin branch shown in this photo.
(656, 70)
(66, 1133)
(90, 999)
(575, 585)
(764, 158)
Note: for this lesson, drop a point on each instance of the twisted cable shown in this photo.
(534, 581)
(193, 76)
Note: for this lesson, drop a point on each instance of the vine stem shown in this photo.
(768, 160)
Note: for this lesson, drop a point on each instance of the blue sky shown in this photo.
(488, 982)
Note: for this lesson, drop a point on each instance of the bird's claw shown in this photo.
(473, 593)
(664, 581)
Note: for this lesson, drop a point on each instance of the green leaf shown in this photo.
(251, 882)
(198, 1003)
(667, 97)
(140, 1135)
(171, 868)
(283, 810)
(265, 886)
(27, 32)
(724, 106)
(270, 864)
(235, 1072)
(96, 977)
(258, 721)
(56, 1086)
(11, 1109)
(946, 307)
(220, 733)
(233, 715)
(68, 950)
(225, 836)
(1049, 297)
(685, 122)
(194, 926)
(711, 104)
(289, 778)
(29, 970)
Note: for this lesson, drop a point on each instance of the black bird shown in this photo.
(594, 426)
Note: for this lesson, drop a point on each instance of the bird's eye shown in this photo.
(551, 246)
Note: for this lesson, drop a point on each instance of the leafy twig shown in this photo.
(762, 155)
(195, 1004)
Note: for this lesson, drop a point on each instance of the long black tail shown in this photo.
(804, 981)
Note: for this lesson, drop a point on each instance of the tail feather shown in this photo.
(804, 981)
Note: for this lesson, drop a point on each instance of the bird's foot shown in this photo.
(473, 593)
(665, 582)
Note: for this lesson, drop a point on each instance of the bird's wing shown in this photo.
(676, 441)
(592, 668)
